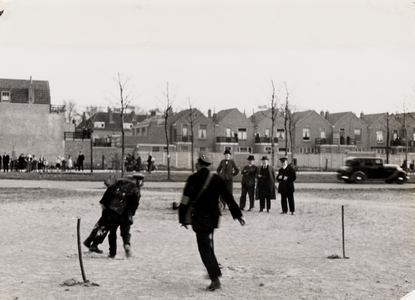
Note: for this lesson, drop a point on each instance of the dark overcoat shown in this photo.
(271, 183)
(286, 186)
(206, 209)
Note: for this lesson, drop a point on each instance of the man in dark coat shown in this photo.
(119, 203)
(266, 184)
(227, 169)
(6, 160)
(248, 184)
(286, 177)
(80, 161)
(199, 207)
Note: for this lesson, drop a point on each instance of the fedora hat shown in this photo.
(283, 158)
(264, 157)
(251, 157)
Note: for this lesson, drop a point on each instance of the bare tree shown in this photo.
(167, 112)
(124, 100)
(289, 122)
(91, 111)
(70, 111)
(273, 117)
(192, 119)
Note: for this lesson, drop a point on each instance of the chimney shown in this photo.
(322, 113)
(110, 116)
(84, 119)
(327, 115)
(362, 115)
(209, 113)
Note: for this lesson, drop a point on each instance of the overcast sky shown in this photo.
(335, 55)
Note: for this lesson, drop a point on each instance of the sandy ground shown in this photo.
(273, 257)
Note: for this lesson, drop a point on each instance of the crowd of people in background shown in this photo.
(31, 163)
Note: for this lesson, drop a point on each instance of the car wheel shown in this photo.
(400, 179)
(348, 181)
(358, 177)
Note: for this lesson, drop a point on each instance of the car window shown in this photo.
(378, 162)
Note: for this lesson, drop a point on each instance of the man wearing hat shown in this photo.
(199, 207)
(248, 184)
(227, 169)
(286, 177)
(266, 184)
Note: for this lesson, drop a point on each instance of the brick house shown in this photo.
(262, 121)
(312, 132)
(29, 124)
(378, 126)
(349, 132)
(107, 126)
(233, 131)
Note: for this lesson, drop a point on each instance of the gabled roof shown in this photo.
(334, 118)
(224, 113)
(115, 125)
(372, 118)
(259, 116)
(19, 89)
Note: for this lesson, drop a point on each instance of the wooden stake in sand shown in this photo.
(79, 251)
(344, 251)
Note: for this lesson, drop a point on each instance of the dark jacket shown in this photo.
(227, 171)
(270, 182)
(248, 175)
(206, 209)
(123, 199)
(286, 186)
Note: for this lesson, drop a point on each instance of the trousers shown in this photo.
(290, 198)
(205, 245)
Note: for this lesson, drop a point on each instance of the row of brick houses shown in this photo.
(231, 129)
(30, 124)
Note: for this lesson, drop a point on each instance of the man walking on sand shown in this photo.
(199, 207)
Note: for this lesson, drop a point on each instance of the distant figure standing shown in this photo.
(70, 163)
(227, 169)
(138, 163)
(248, 184)
(6, 160)
(266, 184)
(149, 163)
(286, 177)
(81, 159)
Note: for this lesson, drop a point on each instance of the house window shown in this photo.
(306, 134)
(185, 130)
(242, 133)
(322, 133)
(5, 96)
(281, 134)
(128, 125)
(379, 136)
(245, 149)
(155, 149)
(202, 131)
(266, 133)
(228, 132)
(394, 135)
(144, 131)
(358, 135)
(268, 150)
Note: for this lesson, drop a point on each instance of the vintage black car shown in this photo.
(359, 169)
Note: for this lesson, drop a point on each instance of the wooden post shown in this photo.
(79, 251)
(344, 251)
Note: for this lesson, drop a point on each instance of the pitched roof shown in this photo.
(224, 113)
(372, 118)
(19, 89)
(116, 117)
(336, 117)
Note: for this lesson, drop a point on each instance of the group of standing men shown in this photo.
(199, 205)
(4, 161)
(264, 177)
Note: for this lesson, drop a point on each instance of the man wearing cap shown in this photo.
(248, 184)
(227, 169)
(266, 184)
(119, 204)
(286, 177)
(199, 207)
